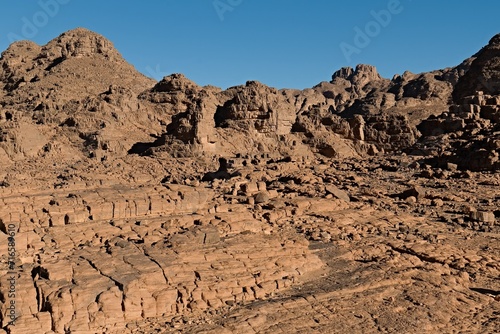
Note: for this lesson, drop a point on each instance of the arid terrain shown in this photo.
(360, 205)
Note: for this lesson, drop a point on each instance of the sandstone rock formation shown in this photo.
(360, 205)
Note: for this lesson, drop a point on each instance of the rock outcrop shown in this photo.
(484, 73)
(56, 88)
(466, 136)
(131, 255)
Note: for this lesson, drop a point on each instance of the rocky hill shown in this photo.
(66, 96)
(360, 205)
(77, 96)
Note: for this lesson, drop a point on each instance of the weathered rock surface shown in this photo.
(467, 136)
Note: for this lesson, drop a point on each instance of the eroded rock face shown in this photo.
(359, 77)
(75, 87)
(187, 120)
(484, 73)
(358, 105)
(27, 66)
(256, 107)
(467, 135)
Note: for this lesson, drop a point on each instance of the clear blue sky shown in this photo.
(282, 43)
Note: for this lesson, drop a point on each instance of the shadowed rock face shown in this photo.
(484, 73)
(140, 206)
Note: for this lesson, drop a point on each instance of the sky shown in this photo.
(281, 43)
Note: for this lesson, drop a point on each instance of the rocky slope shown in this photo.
(360, 205)
(468, 135)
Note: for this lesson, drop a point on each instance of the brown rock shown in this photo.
(417, 192)
(484, 73)
(437, 202)
(337, 193)
(483, 216)
(411, 200)
(261, 197)
(249, 188)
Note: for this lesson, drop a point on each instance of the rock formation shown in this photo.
(467, 134)
(483, 75)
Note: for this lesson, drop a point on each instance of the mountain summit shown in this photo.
(80, 42)
(484, 73)
(77, 62)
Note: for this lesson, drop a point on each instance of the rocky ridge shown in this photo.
(357, 112)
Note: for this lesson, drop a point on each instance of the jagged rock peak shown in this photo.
(249, 84)
(495, 41)
(253, 83)
(362, 71)
(175, 82)
(254, 86)
(80, 42)
(484, 73)
(343, 73)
